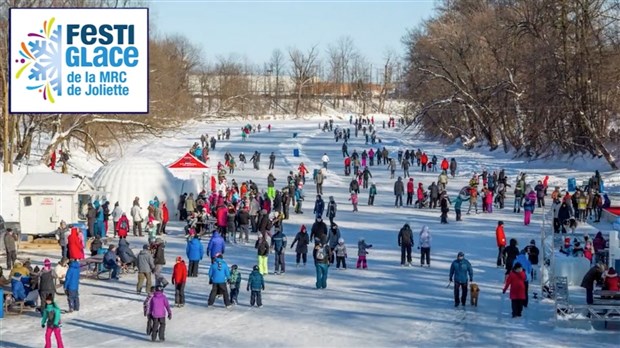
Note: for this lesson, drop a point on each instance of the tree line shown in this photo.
(538, 77)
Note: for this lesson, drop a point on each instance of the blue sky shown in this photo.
(254, 28)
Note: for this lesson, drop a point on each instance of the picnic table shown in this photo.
(607, 303)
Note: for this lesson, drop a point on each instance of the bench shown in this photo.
(607, 304)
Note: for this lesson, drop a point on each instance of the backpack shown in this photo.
(321, 253)
(123, 225)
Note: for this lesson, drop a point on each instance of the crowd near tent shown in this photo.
(131, 177)
(45, 199)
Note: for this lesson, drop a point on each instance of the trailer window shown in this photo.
(27, 201)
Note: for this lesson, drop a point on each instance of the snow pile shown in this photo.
(130, 177)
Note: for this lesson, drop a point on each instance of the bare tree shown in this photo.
(277, 64)
(303, 70)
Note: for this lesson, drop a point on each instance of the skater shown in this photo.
(354, 200)
(194, 251)
(405, 242)
(322, 255)
(500, 238)
(272, 161)
(146, 266)
(318, 180)
(459, 270)
(10, 239)
(425, 246)
(325, 160)
(319, 207)
(256, 282)
(453, 167)
(331, 210)
(410, 189)
(179, 278)
(51, 321)
(235, 283)
(372, 192)
(528, 207)
(219, 273)
(278, 245)
(458, 202)
(516, 282)
(444, 205)
(361, 253)
(399, 189)
(510, 254)
(72, 285)
(158, 307)
(523, 260)
(341, 254)
(262, 249)
(302, 240)
(533, 252)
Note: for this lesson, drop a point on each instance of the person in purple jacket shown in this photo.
(158, 308)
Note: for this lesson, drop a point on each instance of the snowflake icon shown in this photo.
(42, 58)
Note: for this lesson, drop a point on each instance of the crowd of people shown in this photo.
(229, 212)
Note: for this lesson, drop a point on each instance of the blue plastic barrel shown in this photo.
(294, 135)
(572, 185)
(295, 152)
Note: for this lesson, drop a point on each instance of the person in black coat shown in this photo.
(564, 214)
(510, 254)
(405, 242)
(302, 240)
(594, 275)
(319, 230)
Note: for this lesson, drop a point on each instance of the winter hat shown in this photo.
(340, 241)
(47, 264)
(611, 272)
(179, 259)
(234, 267)
(567, 240)
(361, 239)
(533, 242)
(255, 268)
(460, 254)
(145, 247)
(500, 222)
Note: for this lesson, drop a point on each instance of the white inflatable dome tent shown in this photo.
(130, 177)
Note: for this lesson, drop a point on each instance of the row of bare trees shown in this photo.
(171, 61)
(540, 77)
(297, 81)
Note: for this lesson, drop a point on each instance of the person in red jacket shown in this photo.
(420, 195)
(122, 226)
(500, 236)
(53, 161)
(516, 282)
(410, 191)
(222, 219)
(75, 244)
(611, 280)
(423, 161)
(347, 166)
(165, 214)
(445, 165)
(179, 278)
(302, 172)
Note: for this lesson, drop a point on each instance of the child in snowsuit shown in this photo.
(256, 282)
(145, 308)
(51, 319)
(354, 200)
(341, 254)
(235, 283)
(361, 253)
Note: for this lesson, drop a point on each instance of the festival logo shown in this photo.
(78, 60)
(41, 60)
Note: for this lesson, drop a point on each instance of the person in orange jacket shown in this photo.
(424, 161)
(179, 278)
(500, 237)
(445, 165)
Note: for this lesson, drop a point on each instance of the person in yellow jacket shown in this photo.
(19, 267)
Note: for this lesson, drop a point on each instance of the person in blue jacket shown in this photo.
(256, 283)
(72, 285)
(524, 260)
(319, 206)
(217, 245)
(98, 219)
(109, 261)
(194, 252)
(17, 287)
(219, 273)
(459, 270)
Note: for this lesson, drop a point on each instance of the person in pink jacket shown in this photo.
(158, 308)
(488, 201)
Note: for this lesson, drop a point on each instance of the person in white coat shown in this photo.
(116, 215)
(425, 246)
(136, 215)
(325, 160)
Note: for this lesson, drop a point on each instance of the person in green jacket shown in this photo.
(371, 194)
(51, 320)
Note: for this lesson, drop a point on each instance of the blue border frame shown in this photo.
(148, 79)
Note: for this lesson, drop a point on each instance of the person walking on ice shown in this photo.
(256, 282)
(361, 253)
(459, 271)
(158, 308)
(51, 321)
(325, 160)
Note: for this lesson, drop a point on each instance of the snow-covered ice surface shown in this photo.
(386, 305)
